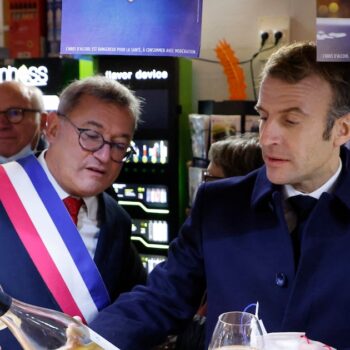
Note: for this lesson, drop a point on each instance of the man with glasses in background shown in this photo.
(22, 118)
(65, 243)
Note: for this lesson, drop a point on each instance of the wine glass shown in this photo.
(237, 330)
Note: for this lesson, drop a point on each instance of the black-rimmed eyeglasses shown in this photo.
(92, 141)
(15, 115)
(207, 177)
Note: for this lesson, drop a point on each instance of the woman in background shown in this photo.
(234, 156)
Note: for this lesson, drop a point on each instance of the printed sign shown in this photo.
(132, 27)
(333, 31)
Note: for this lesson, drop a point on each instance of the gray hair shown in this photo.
(36, 98)
(32, 94)
(104, 89)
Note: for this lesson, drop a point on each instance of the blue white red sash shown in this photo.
(52, 240)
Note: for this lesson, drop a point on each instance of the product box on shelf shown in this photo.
(27, 27)
(53, 17)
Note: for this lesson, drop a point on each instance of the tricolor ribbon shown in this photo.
(51, 239)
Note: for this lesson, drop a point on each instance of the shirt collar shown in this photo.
(24, 152)
(290, 191)
(90, 202)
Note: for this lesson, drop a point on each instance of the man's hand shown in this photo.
(75, 334)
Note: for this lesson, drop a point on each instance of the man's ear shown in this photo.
(342, 130)
(43, 122)
(51, 126)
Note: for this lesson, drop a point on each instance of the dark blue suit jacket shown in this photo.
(115, 257)
(237, 245)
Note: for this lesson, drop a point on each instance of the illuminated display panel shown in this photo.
(152, 230)
(148, 186)
(151, 198)
(150, 152)
(151, 261)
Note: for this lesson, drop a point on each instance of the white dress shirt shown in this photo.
(87, 216)
(290, 191)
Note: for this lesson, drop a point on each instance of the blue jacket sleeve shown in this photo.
(143, 317)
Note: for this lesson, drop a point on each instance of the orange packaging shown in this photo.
(26, 35)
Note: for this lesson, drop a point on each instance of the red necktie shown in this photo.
(73, 205)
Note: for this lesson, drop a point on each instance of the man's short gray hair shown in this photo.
(104, 89)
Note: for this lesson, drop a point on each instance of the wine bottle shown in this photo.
(37, 328)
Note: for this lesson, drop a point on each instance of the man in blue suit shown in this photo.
(65, 243)
(240, 241)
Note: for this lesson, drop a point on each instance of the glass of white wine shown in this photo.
(237, 331)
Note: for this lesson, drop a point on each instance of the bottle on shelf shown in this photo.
(37, 328)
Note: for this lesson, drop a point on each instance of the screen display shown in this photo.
(152, 230)
(131, 27)
(150, 196)
(151, 261)
(150, 151)
(155, 109)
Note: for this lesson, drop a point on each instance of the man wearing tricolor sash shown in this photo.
(65, 244)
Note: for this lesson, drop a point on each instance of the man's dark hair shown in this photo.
(292, 63)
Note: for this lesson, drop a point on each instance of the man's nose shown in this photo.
(269, 133)
(4, 121)
(104, 153)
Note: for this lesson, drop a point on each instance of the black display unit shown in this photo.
(229, 107)
(149, 185)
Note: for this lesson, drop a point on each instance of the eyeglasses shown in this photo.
(92, 141)
(207, 177)
(16, 115)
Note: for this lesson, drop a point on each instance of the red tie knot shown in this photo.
(73, 205)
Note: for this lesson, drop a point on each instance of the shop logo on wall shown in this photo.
(32, 75)
(139, 75)
(132, 27)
